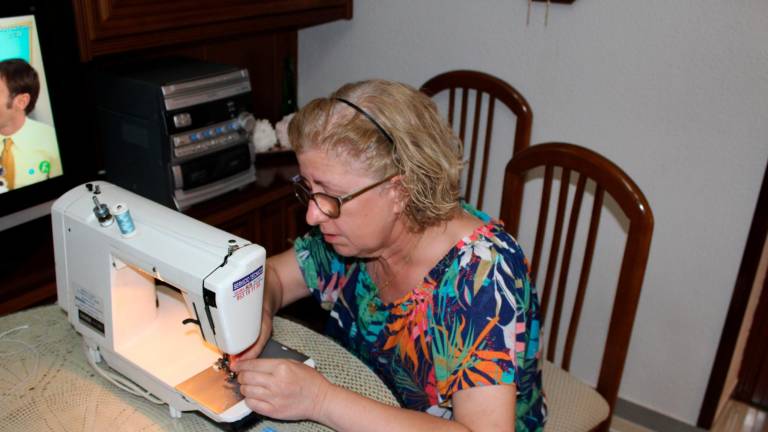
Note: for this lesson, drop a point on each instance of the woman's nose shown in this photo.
(314, 216)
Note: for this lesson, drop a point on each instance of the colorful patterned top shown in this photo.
(474, 321)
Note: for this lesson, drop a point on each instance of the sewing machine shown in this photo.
(162, 297)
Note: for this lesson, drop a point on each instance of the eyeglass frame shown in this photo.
(299, 184)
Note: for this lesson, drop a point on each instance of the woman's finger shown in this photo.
(253, 378)
(271, 366)
(255, 391)
(260, 406)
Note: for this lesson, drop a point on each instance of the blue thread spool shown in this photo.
(124, 219)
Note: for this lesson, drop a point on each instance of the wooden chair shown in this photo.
(566, 395)
(494, 89)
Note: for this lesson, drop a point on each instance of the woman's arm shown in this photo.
(284, 284)
(289, 390)
(486, 408)
(477, 409)
(284, 281)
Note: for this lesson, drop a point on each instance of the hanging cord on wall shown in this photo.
(528, 13)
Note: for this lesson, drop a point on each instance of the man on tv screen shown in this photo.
(29, 150)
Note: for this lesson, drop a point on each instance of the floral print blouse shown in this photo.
(473, 321)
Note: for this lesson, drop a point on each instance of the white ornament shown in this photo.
(263, 136)
(281, 129)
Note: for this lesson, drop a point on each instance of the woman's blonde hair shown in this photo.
(423, 150)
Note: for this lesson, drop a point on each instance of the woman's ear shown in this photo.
(399, 193)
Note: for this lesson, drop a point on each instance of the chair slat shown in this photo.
(486, 148)
(463, 115)
(581, 290)
(565, 263)
(473, 148)
(451, 104)
(546, 192)
(462, 135)
(554, 251)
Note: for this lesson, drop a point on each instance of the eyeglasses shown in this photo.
(329, 204)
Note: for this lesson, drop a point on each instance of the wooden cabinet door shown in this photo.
(241, 227)
(112, 26)
(279, 223)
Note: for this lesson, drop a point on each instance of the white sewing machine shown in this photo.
(162, 303)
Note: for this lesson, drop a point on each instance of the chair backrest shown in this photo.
(591, 171)
(486, 89)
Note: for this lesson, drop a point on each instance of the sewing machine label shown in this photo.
(248, 284)
(90, 309)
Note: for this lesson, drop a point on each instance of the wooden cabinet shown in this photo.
(27, 268)
(117, 26)
(272, 217)
(268, 215)
(260, 35)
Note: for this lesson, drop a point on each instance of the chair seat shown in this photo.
(573, 405)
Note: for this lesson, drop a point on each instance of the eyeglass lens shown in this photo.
(327, 204)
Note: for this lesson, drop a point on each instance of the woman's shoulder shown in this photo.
(487, 230)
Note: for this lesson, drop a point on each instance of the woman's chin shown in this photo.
(344, 249)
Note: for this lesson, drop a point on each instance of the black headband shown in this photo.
(369, 117)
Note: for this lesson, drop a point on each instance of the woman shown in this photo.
(429, 292)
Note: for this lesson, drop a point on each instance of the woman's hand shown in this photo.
(282, 389)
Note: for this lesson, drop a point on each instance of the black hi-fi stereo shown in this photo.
(176, 130)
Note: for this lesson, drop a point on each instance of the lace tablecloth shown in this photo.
(46, 384)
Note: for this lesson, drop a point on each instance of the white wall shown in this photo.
(675, 92)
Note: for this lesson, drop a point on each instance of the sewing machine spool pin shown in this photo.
(102, 212)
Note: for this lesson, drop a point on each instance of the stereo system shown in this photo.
(176, 130)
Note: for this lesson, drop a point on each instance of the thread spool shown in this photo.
(124, 220)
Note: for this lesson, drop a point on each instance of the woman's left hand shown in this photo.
(282, 389)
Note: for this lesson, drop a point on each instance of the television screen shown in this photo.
(30, 148)
(45, 140)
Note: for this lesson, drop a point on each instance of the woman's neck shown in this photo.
(411, 255)
(405, 246)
